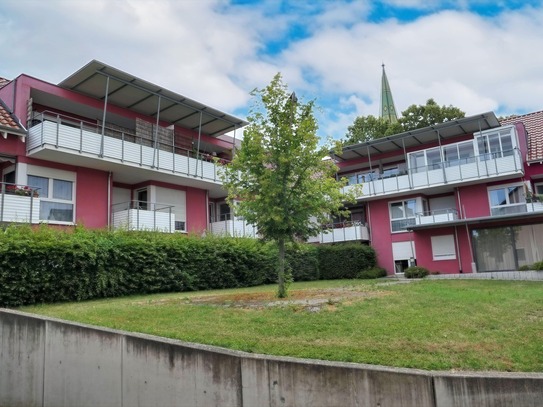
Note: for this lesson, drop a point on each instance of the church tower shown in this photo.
(387, 111)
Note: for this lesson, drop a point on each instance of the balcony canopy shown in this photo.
(127, 91)
(415, 138)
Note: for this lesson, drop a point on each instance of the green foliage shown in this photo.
(47, 265)
(366, 128)
(416, 272)
(344, 260)
(536, 266)
(372, 273)
(279, 178)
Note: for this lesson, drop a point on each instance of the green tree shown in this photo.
(279, 179)
(430, 114)
(367, 128)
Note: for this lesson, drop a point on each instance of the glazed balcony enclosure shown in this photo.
(19, 203)
(492, 154)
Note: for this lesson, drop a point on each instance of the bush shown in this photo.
(344, 260)
(374, 272)
(526, 267)
(416, 272)
(537, 266)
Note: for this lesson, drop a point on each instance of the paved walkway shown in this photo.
(495, 275)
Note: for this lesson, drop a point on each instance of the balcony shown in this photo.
(483, 167)
(233, 228)
(437, 216)
(342, 232)
(51, 133)
(19, 203)
(138, 215)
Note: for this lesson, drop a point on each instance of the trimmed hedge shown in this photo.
(344, 260)
(45, 265)
(416, 272)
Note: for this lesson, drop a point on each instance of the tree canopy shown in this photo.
(366, 128)
(279, 180)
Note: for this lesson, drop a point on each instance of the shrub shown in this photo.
(374, 272)
(537, 266)
(344, 260)
(416, 272)
(526, 267)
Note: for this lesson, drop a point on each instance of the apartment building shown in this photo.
(104, 148)
(460, 197)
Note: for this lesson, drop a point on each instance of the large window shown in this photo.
(507, 248)
(495, 145)
(402, 214)
(56, 198)
(505, 200)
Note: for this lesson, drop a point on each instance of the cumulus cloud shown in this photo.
(216, 52)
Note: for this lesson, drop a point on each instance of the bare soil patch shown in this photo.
(312, 300)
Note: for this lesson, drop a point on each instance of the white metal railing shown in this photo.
(478, 167)
(233, 227)
(341, 232)
(19, 203)
(84, 137)
(436, 216)
(140, 215)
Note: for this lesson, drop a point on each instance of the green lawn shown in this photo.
(436, 325)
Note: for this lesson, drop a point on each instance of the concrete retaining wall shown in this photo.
(48, 362)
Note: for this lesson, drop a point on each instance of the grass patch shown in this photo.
(434, 325)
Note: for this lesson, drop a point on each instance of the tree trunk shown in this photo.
(282, 289)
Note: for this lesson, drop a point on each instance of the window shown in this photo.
(56, 198)
(142, 196)
(443, 247)
(495, 145)
(507, 200)
(538, 189)
(402, 214)
(224, 211)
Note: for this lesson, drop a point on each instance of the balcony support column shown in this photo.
(441, 157)
(155, 136)
(370, 184)
(104, 118)
(198, 146)
(409, 176)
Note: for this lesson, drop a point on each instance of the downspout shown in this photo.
(458, 248)
(109, 199)
(208, 223)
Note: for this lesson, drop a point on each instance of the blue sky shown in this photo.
(477, 55)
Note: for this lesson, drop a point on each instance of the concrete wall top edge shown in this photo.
(279, 359)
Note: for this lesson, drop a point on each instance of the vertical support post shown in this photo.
(409, 176)
(2, 207)
(155, 135)
(371, 170)
(104, 118)
(198, 146)
(441, 157)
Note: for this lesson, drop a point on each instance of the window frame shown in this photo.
(507, 197)
(406, 219)
(51, 175)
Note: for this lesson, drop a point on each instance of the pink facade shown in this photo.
(106, 149)
(458, 197)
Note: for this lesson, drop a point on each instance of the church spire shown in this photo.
(388, 111)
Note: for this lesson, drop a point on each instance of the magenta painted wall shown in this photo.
(474, 201)
(423, 244)
(91, 198)
(196, 210)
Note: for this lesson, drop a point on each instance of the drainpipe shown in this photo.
(458, 249)
(109, 199)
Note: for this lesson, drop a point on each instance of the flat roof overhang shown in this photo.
(130, 92)
(485, 220)
(418, 137)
